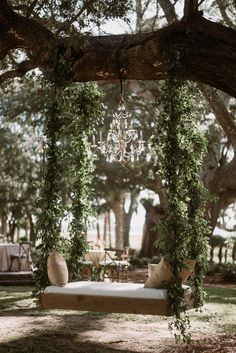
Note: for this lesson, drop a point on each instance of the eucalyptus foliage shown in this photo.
(184, 228)
(81, 109)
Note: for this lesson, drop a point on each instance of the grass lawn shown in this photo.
(25, 329)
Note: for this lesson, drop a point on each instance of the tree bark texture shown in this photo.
(32, 233)
(118, 209)
(208, 51)
(127, 218)
(3, 222)
(151, 230)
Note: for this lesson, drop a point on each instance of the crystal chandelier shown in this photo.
(123, 142)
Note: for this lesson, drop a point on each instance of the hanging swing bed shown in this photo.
(164, 292)
(109, 297)
(137, 298)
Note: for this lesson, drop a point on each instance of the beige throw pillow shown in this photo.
(186, 272)
(151, 268)
(161, 274)
(57, 269)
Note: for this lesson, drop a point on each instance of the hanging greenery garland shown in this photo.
(49, 202)
(184, 228)
(81, 109)
(48, 225)
(71, 114)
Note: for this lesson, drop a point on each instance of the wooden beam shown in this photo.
(104, 304)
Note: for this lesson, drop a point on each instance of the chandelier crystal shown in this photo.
(123, 142)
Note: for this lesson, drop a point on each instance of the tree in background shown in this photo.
(28, 30)
(21, 154)
(219, 125)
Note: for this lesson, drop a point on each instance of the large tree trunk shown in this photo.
(128, 218)
(122, 219)
(127, 221)
(12, 229)
(151, 229)
(3, 222)
(105, 224)
(117, 206)
(32, 234)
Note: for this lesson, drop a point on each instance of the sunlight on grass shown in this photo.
(222, 295)
(14, 298)
(219, 311)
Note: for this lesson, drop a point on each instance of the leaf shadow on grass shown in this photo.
(6, 302)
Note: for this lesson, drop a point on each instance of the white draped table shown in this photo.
(6, 250)
(96, 256)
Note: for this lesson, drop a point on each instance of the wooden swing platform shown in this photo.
(110, 297)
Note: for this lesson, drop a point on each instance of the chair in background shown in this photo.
(22, 258)
(86, 270)
(116, 265)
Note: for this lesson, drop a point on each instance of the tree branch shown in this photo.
(221, 113)
(208, 50)
(224, 181)
(5, 9)
(20, 71)
(224, 14)
(66, 25)
(144, 55)
(190, 7)
(146, 4)
(169, 10)
(31, 8)
(17, 31)
(200, 2)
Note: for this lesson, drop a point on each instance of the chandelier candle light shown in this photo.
(123, 142)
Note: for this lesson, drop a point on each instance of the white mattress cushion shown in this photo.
(127, 290)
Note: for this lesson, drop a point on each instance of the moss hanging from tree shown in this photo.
(184, 229)
(81, 109)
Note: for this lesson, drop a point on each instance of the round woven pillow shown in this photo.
(57, 269)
